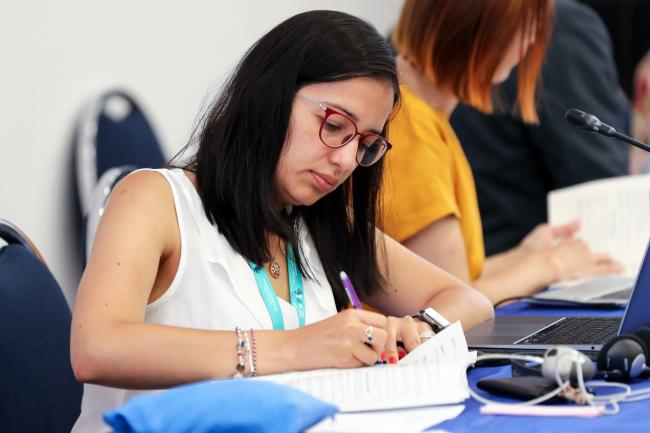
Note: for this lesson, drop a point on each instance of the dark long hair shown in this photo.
(243, 134)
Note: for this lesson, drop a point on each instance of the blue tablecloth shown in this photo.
(633, 417)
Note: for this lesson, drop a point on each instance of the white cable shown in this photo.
(612, 400)
(608, 402)
(537, 400)
(639, 394)
(591, 399)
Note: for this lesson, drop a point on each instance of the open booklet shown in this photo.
(432, 374)
(614, 215)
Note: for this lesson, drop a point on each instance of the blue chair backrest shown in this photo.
(38, 390)
(12, 235)
(112, 132)
(127, 140)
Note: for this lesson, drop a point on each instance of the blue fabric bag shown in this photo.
(221, 406)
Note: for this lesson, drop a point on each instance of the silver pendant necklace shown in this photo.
(275, 269)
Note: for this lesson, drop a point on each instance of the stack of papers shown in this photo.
(409, 420)
(433, 374)
(614, 214)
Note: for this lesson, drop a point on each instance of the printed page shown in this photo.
(432, 376)
(448, 346)
(614, 215)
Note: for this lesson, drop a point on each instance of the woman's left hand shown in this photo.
(409, 331)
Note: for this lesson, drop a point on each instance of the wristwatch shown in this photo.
(432, 318)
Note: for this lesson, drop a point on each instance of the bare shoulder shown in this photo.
(142, 204)
(143, 191)
(142, 184)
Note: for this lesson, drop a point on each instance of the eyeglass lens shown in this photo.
(339, 130)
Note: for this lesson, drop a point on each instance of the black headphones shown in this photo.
(621, 359)
(624, 358)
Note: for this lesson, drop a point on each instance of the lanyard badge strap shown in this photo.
(269, 296)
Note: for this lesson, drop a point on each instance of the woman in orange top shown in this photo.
(457, 50)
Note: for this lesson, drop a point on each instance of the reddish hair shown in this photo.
(459, 44)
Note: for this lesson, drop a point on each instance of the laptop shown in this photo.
(604, 291)
(535, 334)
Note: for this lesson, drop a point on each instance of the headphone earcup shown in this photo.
(644, 335)
(563, 359)
(622, 358)
(601, 361)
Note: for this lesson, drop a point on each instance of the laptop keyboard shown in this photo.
(576, 330)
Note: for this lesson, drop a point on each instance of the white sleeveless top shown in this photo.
(214, 288)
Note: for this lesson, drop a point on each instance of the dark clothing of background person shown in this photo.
(515, 165)
(627, 21)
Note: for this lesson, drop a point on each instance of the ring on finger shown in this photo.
(425, 335)
(368, 333)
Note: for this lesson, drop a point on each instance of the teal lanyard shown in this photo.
(271, 298)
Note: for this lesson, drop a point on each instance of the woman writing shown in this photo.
(242, 246)
(457, 50)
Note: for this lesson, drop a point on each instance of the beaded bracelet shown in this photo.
(242, 349)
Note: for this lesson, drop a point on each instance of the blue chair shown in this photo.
(38, 390)
(112, 132)
(98, 201)
(13, 235)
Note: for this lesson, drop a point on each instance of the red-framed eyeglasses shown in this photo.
(337, 129)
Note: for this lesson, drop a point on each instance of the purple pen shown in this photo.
(349, 289)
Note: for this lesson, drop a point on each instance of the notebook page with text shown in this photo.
(433, 376)
(448, 346)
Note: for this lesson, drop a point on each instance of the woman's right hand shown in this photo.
(340, 341)
(573, 258)
(545, 236)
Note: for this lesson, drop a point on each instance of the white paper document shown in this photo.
(410, 420)
(614, 215)
(446, 347)
(433, 374)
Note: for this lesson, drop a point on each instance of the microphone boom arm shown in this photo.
(590, 123)
(631, 141)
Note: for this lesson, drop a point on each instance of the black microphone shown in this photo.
(590, 123)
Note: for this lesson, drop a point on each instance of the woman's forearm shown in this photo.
(497, 263)
(150, 356)
(469, 306)
(521, 278)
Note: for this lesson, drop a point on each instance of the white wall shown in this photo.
(55, 54)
